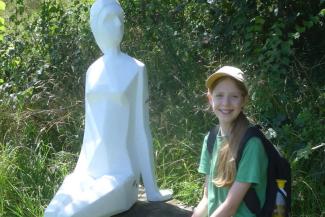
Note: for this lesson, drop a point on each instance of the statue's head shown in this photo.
(107, 23)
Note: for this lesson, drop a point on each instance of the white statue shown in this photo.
(117, 144)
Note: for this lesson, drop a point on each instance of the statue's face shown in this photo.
(110, 26)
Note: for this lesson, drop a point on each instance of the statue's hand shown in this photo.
(161, 195)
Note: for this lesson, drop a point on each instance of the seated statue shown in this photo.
(117, 143)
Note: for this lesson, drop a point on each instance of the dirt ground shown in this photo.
(143, 208)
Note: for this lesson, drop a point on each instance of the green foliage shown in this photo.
(43, 61)
(28, 176)
(48, 46)
(2, 21)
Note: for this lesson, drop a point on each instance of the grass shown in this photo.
(31, 170)
(29, 178)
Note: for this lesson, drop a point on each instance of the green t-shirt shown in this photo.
(252, 169)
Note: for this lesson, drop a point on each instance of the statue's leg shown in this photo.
(104, 196)
(64, 195)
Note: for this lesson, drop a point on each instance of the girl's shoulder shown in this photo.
(253, 146)
(254, 140)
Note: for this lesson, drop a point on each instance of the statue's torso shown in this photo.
(113, 78)
(111, 99)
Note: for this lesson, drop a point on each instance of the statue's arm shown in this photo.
(143, 134)
(144, 142)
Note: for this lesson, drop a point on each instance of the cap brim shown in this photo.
(212, 78)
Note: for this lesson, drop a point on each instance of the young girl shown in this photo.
(225, 184)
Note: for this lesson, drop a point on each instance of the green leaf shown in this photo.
(296, 35)
(300, 29)
(28, 91)
(257, 28)
(259, 20)
(322, 12)
(308, 24)
(2, 6)
(1, 81)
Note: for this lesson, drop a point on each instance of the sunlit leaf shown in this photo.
(2, 6)
(322, 12)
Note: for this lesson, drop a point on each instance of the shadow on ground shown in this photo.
(155, 209)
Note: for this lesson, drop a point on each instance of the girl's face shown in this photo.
(227, 101)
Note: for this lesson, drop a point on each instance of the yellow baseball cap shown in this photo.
(230, 71)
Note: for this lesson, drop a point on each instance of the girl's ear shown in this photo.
(245, 101)
(209, 97)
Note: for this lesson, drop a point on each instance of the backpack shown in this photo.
(278, 168)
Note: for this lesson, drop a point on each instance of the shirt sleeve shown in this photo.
(204, 166)
(253, 163)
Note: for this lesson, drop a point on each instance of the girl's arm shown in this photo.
(235, 196)
(202, 208)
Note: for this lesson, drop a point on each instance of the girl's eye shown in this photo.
(235, 96)
(218, 95)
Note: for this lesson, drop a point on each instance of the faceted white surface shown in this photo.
(117, 143)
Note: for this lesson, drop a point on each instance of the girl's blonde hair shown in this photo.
(226, 162)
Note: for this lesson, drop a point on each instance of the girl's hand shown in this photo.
(235, 196)
(202, 209)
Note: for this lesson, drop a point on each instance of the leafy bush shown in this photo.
(2, 27)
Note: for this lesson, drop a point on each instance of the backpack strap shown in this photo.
(212, 138)
(251, 199)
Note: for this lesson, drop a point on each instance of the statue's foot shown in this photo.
(85, 196)
(161, 195)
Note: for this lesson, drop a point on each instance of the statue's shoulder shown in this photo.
(97, 64)
(139, 63)
(136, 63)
(125, 62)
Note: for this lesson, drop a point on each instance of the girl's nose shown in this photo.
(226, 100)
